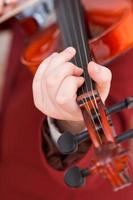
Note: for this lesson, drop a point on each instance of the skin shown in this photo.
(56, 82)
(6, 5)
(55, 87)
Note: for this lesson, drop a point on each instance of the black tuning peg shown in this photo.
(68, 143)
(75, 177)
(126, 103)
(124, 136)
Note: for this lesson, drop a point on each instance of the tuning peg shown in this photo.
(68, 143)
(124, 136)
(126, 103)
(75, 177)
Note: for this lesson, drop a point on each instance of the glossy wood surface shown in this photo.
(110, 39)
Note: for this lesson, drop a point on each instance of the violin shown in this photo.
(114, 38)
(110, 159)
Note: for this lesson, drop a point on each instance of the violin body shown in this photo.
(56, 46)
(110, 158)
(110, 34)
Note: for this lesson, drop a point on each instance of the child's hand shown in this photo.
(56, 82)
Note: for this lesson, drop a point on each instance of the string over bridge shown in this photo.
(110, 160)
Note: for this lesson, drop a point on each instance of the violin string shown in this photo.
(79, 53)
(70, 39)
(70, 42)
(84, 100)
(93, 106)
(81, 31)
(77, 48)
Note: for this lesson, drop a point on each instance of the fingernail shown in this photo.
(70, 50)
(82, 79)
(80, 70)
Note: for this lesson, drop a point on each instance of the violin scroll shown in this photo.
(110, 159)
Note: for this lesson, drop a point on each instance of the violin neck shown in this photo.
(74, 33)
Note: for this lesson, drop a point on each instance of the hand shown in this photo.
(56, 82)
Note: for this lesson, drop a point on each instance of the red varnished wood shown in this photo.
(110, 159)
(112, 37)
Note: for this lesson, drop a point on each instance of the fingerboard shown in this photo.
(70, 16)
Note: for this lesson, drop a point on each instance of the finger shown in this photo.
(43, 102)
(42, 67)
(36, 85)
(66, 97)
(55, 79)
(102, 76)
(63, 57)
(53, 60)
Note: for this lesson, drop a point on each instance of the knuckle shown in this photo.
(50, 81)
(69, 67)
(61, 100)
(65, 100)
